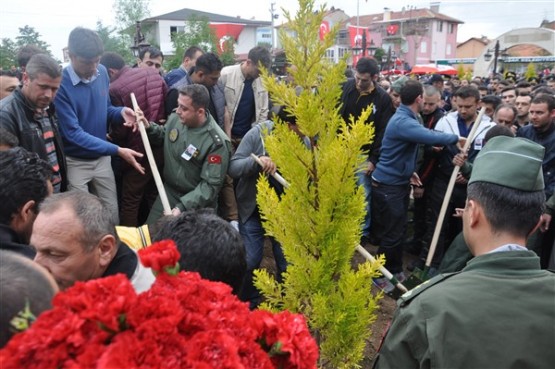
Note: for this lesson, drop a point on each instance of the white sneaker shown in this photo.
(235, 225)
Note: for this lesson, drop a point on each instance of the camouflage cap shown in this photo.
(510, 162)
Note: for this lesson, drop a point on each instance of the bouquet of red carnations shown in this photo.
(182, 321)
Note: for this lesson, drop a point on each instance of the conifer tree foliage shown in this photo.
(318, 218)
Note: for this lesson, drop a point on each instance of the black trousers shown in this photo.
(390, 205)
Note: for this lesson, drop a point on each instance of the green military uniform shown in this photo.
(499, 311)
(453, 321)
(195, 163)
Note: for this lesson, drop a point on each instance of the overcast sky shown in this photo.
(55, 19)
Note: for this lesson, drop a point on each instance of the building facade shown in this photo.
(247, 33)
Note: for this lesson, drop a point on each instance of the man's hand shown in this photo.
(460, 179)
(138, 118)
(544, 222)
(369, 168)
(415, 180)
(130, 156)
(460, 159)
(269, 166)
(418, 192)
(175, 212)
(460, 144)
(128, 115)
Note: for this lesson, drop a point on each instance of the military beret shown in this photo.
(399, 83)
(510, 162)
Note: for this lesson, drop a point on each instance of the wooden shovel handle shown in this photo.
(449, 191)
(152, 162)
(276, 175)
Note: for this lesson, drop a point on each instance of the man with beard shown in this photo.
(27, 116)
(358, 94)
(542, 131)
(196, 154)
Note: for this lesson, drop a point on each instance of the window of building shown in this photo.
(176, 29)
(440, 26)
(448, 49)
(342, 37)
(330, 54)
(341, 51)
(423, 47)
(451, 27)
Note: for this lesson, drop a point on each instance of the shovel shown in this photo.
(152, 162)
(399, 287)
(419, 276)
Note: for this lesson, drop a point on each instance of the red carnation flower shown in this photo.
(161, 257)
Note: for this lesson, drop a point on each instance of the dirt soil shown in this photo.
(386, 304)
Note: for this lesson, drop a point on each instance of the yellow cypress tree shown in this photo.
(530, 71)
(318, 218)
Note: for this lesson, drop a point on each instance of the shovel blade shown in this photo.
(395, 293)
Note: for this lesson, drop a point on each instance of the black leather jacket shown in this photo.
(16, 115)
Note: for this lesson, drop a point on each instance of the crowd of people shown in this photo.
(80, 197)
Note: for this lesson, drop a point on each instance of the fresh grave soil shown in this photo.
(386, 306)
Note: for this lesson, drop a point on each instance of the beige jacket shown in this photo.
(233, 80)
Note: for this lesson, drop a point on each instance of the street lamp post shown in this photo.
(139, 42)
(496, 53)
(372, 48)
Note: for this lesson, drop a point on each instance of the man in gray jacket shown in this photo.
(245, 170)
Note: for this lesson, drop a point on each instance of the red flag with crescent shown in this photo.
(392, 29)
(355, 35)
(324, 29)
(225, 30)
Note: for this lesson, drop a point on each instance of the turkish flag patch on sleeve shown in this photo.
(214, 159)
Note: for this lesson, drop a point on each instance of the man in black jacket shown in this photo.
(358, 94)
(26, 114)
(24, 183)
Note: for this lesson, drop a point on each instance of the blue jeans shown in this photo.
(253, 236)
(366, 182)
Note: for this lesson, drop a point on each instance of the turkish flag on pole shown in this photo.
(324, 29)
(224, 30)
(355, 35)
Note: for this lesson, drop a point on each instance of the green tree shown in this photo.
(378, 55)
(128, 12)
(228, 54)
(8, 51)
(317, 220)
(197, 32)
(461, 71)
(29, 36)
(114, 42)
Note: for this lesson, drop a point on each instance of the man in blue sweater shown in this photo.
(394, 172)
(84, 110)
